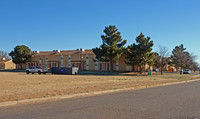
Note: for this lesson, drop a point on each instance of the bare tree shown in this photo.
(195, 66)
(191, 62)
(4, 55)
(162, 57)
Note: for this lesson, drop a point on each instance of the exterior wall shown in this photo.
(104, 66)
(33, 61)
(122, 65)
(43, 60)
(7, 65)
(83, 60)
(2, 65)
(53, 61)
(21, 66)
(65, 60)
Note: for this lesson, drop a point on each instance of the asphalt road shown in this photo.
(180, 101)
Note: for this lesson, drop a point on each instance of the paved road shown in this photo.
(180, 101)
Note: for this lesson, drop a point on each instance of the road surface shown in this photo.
(180, 101)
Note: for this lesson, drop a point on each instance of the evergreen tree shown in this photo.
(20, 54)
(180, 57)
(140, 53)
(112, 46)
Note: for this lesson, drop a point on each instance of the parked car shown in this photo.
(36, 69)
(186, 71)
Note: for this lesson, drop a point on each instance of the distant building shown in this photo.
(81, 58)
(7, 64)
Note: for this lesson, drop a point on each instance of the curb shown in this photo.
(36, 100)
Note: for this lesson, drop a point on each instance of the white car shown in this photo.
(186, 71)
(36, 69)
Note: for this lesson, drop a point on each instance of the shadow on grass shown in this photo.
(11, 70)
(96, 73)
(102, 73)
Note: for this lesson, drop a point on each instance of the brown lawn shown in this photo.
(18, 86)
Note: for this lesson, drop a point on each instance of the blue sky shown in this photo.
(70, 24)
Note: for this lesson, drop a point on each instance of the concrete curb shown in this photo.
(35, 100)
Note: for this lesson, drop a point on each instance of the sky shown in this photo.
(47, 25)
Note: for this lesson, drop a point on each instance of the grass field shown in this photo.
(18, 86)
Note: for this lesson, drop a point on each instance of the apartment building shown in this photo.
(81, 58)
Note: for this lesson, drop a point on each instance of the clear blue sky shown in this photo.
(70, 24)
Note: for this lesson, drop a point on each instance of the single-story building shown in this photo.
(7, 64)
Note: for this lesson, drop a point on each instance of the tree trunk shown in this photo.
(21, 66)
(181, 69)
(140, 69)
(111, 65)
(161, 70)
(162, 66)
(176, 68)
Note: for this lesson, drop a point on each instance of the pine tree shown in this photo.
(112, 46)
(140, 53)
(179, 56)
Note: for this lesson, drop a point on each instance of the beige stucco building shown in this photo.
(7, 64)
(83, 59)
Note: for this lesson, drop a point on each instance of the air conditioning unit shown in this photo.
(37, 52)
(82, 50)
(56, 51)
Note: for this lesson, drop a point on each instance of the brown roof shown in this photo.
(3, 61)
(64, 52)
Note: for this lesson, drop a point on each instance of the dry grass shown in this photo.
(17, 86)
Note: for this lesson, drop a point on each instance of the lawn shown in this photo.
(18, 85)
